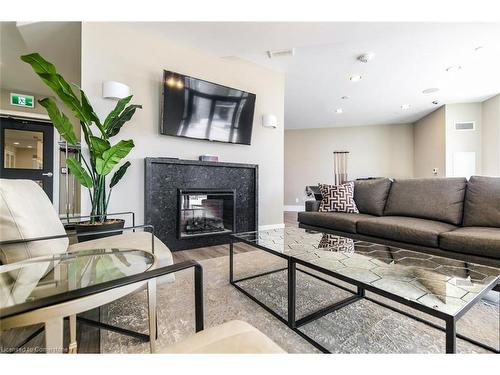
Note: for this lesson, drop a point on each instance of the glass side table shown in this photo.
(48, 289)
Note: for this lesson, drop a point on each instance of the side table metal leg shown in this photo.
(152, 314)
(198, 298)
(54, 329)
(292, 280)
(451, 336)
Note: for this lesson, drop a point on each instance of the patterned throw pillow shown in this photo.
(332, 242)
(338, 198)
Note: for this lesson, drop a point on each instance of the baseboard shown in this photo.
(299, 208)
(271, 226)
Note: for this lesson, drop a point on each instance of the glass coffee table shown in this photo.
(443, 288)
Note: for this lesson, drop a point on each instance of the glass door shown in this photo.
(27, 151)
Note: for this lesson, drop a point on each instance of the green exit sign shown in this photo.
(22, 100)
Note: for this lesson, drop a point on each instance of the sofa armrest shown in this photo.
(312, 206)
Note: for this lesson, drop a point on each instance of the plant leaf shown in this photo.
(38, 63)
(48, 73)
(63, 90)
(59, 120)
(120, 106)
(119, 174)
(108, 160)
(89, 111)
(115, 126)
(98, 145)
(80, 174)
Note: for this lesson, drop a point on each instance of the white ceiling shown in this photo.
(58, 42)
(409, 57)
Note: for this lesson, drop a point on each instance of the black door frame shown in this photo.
(46, 175)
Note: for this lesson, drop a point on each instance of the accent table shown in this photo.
(441, 287)
(48, 289)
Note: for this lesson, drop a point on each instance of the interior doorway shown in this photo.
(27, 151)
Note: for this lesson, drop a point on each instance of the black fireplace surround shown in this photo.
(195, 203)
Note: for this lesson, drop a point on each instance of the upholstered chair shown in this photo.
(233, 337)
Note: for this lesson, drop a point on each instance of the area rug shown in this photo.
(361, 327)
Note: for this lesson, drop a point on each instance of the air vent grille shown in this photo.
(468, 125)
(281, 53)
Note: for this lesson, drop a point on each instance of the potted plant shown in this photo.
(104, 157)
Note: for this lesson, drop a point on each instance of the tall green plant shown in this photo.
(104, 156)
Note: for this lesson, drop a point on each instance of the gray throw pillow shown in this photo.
(371, 195)
(482, 202)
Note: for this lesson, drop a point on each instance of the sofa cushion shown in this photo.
(481, 241)
(404, 229)
(338, 198)
(438, 199)
(339, 221)
(371, 195)
(26, 212)
(482, 202)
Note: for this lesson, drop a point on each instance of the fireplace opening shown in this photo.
(204, 212)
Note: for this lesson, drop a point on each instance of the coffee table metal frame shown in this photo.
(294, 324)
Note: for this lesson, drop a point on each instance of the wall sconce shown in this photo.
(114, 90)
(269, 121)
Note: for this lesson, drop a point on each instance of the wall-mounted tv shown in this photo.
(195, 108)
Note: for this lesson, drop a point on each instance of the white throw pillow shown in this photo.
(26, 212)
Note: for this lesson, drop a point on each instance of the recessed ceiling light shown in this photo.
(30, 146)
(430, 90)
(345, 97)
(15, 143)
(454, 68)
(405, 107)
(355, 77)
(365, 57)
(339, 110)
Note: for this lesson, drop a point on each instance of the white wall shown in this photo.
(122, 52)
(430, 145)
(490, 113)
(463, 140)
(383, 150)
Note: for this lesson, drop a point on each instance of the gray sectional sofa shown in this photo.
(443, 216)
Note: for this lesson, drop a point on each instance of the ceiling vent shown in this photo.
(281, 53)
(468, 125)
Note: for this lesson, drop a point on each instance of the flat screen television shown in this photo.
(195, 108)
